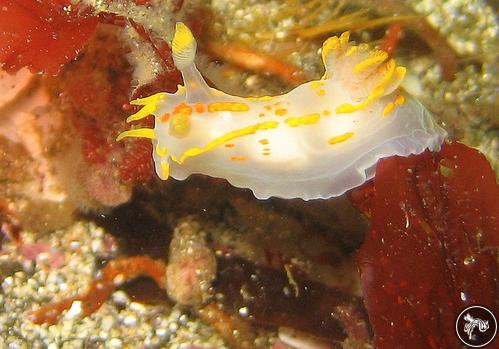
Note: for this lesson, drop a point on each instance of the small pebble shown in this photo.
(130, 320)
(173, 326)
(115, 343)
(120, 298)
(75, 311)
(162, 332)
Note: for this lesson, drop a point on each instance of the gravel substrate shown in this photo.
(70, 261)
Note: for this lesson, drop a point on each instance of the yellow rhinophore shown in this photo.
(149, 104)
(183, 46)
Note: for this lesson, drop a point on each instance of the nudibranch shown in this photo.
(317, 141)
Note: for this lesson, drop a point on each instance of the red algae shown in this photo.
(137, 165)
(160, 46)
(42, 35)
(434, 238)
(93, 90)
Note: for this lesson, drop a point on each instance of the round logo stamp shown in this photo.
(476, 326)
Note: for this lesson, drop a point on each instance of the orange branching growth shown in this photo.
(126, 269)
(251, 59)
(114, 274)
(392, 38)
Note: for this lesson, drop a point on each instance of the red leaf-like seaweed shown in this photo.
(432, 247)
(42, 35)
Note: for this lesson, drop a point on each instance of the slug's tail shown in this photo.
(364, 72)
(183, 46)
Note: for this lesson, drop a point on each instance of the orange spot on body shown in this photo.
(399, 100)
(281, 112)
(268, 107)
(200, 108)
(164, 117)
(263, 141)
(261, 115)
(238, 158)
(183, 108)
(229, 145)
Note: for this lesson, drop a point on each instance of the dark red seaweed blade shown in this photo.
(432, 247)
(42, 35)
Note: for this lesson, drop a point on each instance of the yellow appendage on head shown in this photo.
(139, 133)
(183, 46)
(150, 105)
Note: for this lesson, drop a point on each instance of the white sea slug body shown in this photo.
(317, 141)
